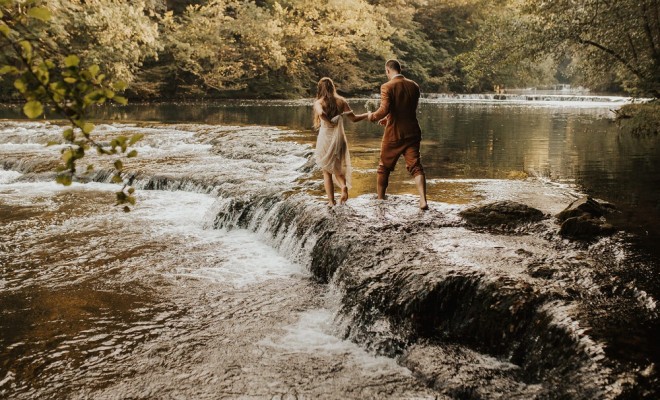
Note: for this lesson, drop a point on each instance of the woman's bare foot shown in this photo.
(344, 195)
(331, 203)
(423, 206)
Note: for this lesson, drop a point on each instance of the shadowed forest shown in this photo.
(279, 49)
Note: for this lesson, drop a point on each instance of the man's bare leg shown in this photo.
(420, 182)
(382, 181)
(329, 188)
(344, 190)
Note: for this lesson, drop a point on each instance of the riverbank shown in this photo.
(640, 119)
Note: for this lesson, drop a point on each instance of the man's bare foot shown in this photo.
(344, 195)
(331, 203)
(423, 206)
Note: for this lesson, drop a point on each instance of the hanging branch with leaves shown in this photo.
(50, 80)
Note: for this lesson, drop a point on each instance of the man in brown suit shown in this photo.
(398, 113)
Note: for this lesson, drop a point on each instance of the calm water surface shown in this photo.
(573, 143)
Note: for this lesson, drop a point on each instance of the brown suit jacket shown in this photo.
(398, 102)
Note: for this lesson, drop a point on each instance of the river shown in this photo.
(231, 279)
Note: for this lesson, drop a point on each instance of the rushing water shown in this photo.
(212, 287)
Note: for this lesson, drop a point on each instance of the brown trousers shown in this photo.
(391, 151)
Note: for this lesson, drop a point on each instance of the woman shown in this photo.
(331, 152)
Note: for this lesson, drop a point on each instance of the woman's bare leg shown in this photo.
(344, 190)
(329, 188)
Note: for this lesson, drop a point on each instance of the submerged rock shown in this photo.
(501, 214)
(584, 219)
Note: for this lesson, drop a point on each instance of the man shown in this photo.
(398, 113)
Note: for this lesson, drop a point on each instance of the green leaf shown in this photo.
(4, 29)
(8, 69)
(135, 138)
(70, 80)
(20, 85)
(93, 70)
(71, 61)
(119, 86)
(90, 168)
(117, 179)
(131, 200)
(67, 155)
(132, 153)
(52, 143)
(87, 127)
(64, 179)
(119, 165)
(68, 135)
(121, 100)
(33, 109)
(27, 49)
(131, 190)
(40, 13)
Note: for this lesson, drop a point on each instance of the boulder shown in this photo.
(501, 213)
(585, 227)
(585, 219)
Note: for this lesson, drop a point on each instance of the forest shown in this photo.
(166, 49)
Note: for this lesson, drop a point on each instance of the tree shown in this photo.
(47, 79)
(601, 36)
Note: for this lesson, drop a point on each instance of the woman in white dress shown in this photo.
(331, 153)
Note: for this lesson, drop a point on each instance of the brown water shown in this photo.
(100, 304)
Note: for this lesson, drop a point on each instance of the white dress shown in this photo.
(331, 151)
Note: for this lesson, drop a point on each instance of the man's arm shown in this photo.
(384, 108)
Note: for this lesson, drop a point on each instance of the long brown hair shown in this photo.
(330, 100)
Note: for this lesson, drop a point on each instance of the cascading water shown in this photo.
(204, 289)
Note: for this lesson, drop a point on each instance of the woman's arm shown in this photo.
(356, 117)
(351, 115)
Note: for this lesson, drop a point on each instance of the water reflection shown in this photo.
(571, 143)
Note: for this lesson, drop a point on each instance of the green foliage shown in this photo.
(47, 80)
(599, 38)
(640, 119)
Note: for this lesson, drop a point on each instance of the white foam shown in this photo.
(313, 334)
(8, 176)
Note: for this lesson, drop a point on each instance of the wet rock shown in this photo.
(584, 219)
(585, 205)
(502, 214)
(585, 227)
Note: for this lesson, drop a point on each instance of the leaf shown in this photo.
(70, 80)
(8, 69)
(33, 109)
(93, 70)
(131, 200)
(71, 61)
(68, 135)
(20, 85)
(52, 143)
(131, 190)
(127, 209)
(67, 155)
(87, 128)
(132, 153)
(4, 29)
(64, 179)
(119, 86)
(90, 168)
(40, 13)
(27, 49)
(121, 100)
(116, 179)
(119, 165)
(135, 138)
